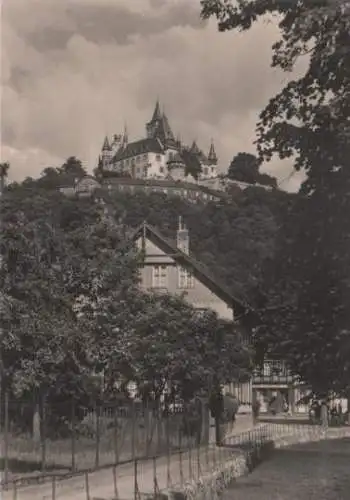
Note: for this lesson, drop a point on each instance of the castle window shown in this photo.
(159, 276)
(185, 278)
(161, 170)
(158, 157)
(205, 171)
(137, 170)
(212, 169)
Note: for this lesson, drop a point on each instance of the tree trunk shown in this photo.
(36, 424)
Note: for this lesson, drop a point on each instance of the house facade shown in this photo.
(169, 267)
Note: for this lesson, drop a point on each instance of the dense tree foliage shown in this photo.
(245, 168)
(72, 311)
(304, 301)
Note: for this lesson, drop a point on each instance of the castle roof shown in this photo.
(149, 145)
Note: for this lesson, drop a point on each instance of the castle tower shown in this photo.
(125, 139)
(212, 157)
(107, 153)
(152, 125)
(159, 128)
(182, 237)
(194, 148)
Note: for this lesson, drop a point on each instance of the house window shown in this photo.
(158, 157)
(145, 157)
(159, 276)
(205, 171)
(127, 162)
(161, 169)
(171, 155)
(138, 158)
(185, 278)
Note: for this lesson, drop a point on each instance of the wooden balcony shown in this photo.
(273, 373)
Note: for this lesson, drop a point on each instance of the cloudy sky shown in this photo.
(75, 70)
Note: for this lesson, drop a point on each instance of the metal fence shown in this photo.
(70, 437)
(176, 470)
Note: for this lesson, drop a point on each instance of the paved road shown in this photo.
(312, 471)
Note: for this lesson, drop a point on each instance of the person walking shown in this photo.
(256, 409)
(324, 416)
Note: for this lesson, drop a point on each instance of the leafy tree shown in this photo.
(308, 119)
(306, 312)
(245, 168)
(171, 343)
(54, 252)
(73, 168)
(4, 168)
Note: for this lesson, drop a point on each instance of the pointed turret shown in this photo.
(106, 146)
(213, 159)
(125, 136)
(194, 148)
(157, 115)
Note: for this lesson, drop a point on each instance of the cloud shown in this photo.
(78, 69)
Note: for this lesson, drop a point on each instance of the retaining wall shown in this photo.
(211, 485)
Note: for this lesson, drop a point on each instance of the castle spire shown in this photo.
(106, 146)
(157, 115)
(125, 135)
(195, 148)
(212, 154)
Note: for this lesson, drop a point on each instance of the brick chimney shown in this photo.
(182, 237)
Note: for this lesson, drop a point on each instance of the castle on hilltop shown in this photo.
(158, 156)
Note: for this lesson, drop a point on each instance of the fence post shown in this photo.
(6, 438)
(53, 487)
(115, 484)
(73, 434)
(87, 486)
(43, 434)
(190, 459)
(133, 430)
(15, 491)
(167, 416)
(115, 435)
(136, 486)
(155, 479)
(97, 413)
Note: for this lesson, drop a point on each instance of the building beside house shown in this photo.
(193, 193)
(169, 267)
(159, 155)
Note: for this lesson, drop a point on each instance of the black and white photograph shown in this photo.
(174, 250)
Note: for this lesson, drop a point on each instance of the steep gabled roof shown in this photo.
(156, 113)
(200, 271)
(149, 145)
